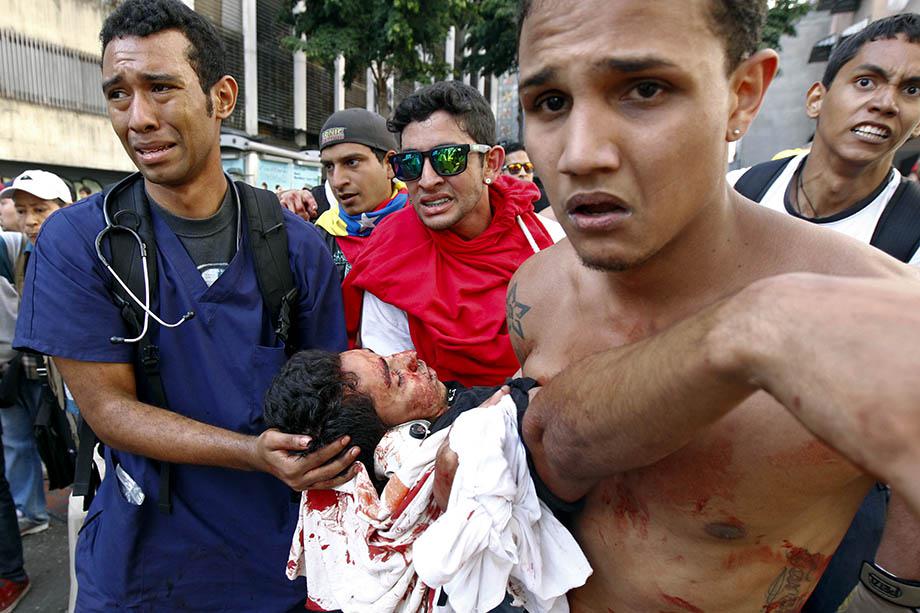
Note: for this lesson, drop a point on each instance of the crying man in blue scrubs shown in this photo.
(222, 540)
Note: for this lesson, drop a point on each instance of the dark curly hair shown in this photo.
(206, 53)
(739, 23)
(463, 102)
(907, 24)
(311, 395)
(512, 146)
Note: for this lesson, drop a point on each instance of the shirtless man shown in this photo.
(703, 493)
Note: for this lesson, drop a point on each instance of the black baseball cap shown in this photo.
(357, 126)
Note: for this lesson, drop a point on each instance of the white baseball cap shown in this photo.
(41, 184)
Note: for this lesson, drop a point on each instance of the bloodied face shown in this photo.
(402, 387)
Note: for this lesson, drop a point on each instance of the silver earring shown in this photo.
(488, 181)
(736, 132)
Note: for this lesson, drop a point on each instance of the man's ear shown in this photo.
(386, 162)
(223, 95)
(814, 98)
(749, 83)
(492, 163)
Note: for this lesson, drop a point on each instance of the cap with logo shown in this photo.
(357, 126)
(41, 184)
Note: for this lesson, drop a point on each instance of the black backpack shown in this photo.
(898, 230)
(268, 241)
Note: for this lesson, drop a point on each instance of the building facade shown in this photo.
(53, 115)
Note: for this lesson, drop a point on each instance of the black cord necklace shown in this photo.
(801, 183)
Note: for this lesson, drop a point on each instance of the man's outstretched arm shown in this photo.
(856, 384)
(839, 353)
(633, 405)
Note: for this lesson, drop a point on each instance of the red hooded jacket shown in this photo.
(452, 290)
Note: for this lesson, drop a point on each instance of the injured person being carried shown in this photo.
(401, 536)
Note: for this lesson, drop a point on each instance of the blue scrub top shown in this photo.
(226, 543)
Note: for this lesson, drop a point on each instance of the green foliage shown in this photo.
(492, 37)
(492, 31)
(386, 35)
(781, 20)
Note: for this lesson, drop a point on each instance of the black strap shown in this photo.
(132, 209)
(147, 375)
(147, 359)
(341, 263)
(86, 476)
(754, 183)
(322, 203)
(269, 244)
(7, 268)
(898, 229)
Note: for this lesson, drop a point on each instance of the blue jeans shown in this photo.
(23, 464)
(10, 541)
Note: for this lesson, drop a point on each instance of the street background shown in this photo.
(46, 560)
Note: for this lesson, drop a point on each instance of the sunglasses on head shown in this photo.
(516, 167)
(446, 160)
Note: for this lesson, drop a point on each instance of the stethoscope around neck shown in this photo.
(112, 224)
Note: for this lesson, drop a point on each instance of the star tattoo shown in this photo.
(515, 311)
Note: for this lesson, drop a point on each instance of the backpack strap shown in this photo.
(341, 263)
(898, 229)
(130, 207)
(269, 244)
(7, 261)
(319, 194)
(754, 183)
(86, 477)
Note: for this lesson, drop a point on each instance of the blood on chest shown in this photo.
(696, 479)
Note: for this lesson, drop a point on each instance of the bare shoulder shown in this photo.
(536, 292)
(793, 245)
(842, 255)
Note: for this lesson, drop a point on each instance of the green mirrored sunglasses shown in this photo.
(446, 160)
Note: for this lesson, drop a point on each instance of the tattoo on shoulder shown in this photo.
(515, 311)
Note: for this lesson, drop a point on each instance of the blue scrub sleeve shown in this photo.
(321, 316)
(66, 307)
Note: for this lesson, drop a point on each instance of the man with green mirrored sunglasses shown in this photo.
(434, 277)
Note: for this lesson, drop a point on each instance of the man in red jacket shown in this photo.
(434, 277)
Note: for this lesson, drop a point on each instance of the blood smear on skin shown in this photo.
(630, 510)
(762, 554)
(674, 601)
(801, 558)
(692, 478)
(812, 453)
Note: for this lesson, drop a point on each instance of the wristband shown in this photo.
(902, 592)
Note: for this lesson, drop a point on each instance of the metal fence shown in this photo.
(40, 72)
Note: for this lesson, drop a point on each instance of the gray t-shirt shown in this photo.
(210, 242)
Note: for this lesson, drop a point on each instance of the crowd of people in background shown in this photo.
(713, 392)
